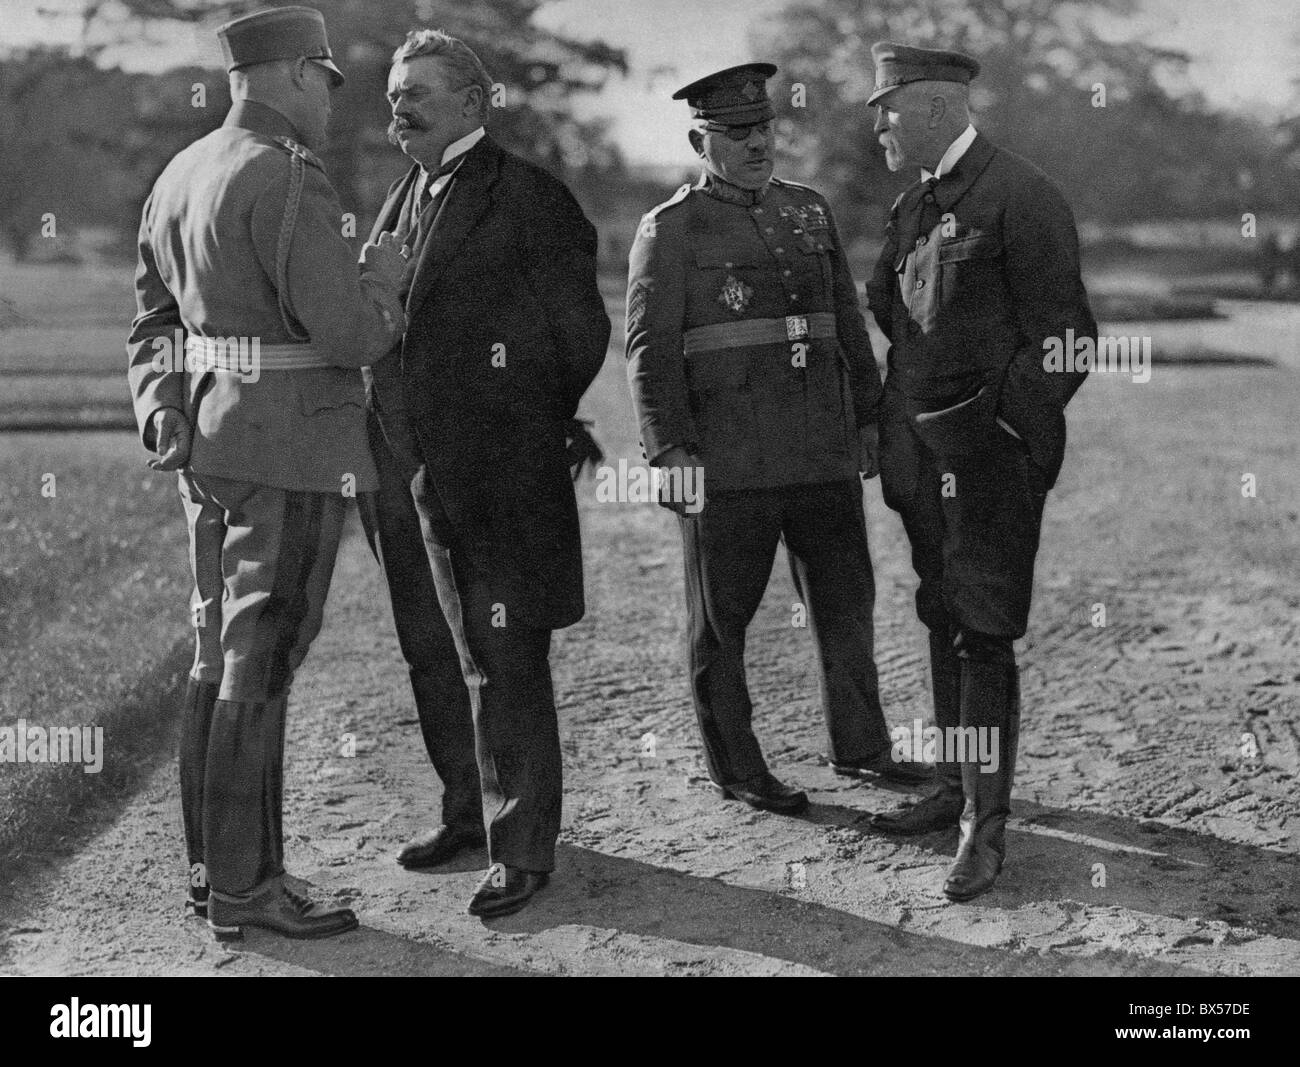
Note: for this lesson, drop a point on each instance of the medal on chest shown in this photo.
(735, 295)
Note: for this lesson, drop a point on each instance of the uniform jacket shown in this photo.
(208, 268)
(968, 302)
(758, 414)
(507, 329)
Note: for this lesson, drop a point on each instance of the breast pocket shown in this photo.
(970, 271)
(728, 278)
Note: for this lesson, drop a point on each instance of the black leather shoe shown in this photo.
(196, 901)
(281, 910)
(505, 890)
(766, 793)
(438, 847)
(884, 768)
(941, 810)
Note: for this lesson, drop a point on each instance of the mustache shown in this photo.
(401, 123)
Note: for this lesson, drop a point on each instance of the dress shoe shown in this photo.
(766, 793)
(196, 901)
(941, 810)
(280, 909)
(438, 847)
(884, 767)
(505, 890)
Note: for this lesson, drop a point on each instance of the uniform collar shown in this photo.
(955, 151)
(732, 194)
(256, 117)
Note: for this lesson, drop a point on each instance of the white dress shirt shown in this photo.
(955, 151)
(456, 148)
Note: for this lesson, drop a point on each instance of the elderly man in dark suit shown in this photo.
(979, 273)
(476, 523)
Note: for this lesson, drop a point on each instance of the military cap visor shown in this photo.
(899, 64)
(736, 96)
(275, 34)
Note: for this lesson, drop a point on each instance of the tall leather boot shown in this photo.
(196, 724)
(243, 829)
(990, 698)
(941, 807)
(275, 781)
(243, 782)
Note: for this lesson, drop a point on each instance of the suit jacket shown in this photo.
(211, 265)
(506, 330)
(968, 298)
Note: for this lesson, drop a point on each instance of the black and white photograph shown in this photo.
(703, 488)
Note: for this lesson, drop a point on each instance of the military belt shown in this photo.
(749, 333)
(225, 353)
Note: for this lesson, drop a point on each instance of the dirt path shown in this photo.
(1133, 757)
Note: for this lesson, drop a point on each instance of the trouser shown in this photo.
(262, 559)
(506, 668)
(972, 504)
(442, 699)
(728, 549)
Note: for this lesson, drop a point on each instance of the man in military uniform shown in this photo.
(749, 360)
(240, 249)
(980, 270)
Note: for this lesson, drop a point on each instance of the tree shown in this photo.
(537, 73)
(1152, 149)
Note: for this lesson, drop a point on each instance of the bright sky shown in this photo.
(1244, 52)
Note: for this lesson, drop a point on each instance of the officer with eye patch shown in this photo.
(749, 363)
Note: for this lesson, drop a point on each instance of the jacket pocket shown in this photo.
(320, 391)
(972, 246)
(723, 405)
(967, 426)
(723, 257)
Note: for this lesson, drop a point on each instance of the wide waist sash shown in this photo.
(748, 333)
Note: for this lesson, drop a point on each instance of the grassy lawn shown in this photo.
(93, 586)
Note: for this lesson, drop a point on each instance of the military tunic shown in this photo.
(746, 346)
(744, 337)
(240, 244)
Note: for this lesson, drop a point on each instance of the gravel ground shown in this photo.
(1146, 838)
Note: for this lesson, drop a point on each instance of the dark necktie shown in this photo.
(423, 215)
(923, 217)
(426, 208)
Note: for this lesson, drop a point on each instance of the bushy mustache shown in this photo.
(401, 123)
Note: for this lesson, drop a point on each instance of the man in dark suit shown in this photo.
(979, 276)
(472, 432)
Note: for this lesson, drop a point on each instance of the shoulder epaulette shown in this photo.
(676, 198)
(301, 151)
